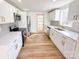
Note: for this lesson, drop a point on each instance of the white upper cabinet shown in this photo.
(74, 10)
(10, 45)
(69, 47)
(65, 44)
(51, 15)
(6, 13)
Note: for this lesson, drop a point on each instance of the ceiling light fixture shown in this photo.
(26, 9)
(54, 0)
(19, 0)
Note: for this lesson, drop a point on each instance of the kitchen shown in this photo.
(20, 19)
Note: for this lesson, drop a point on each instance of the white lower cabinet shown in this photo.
(11, 50)
(77, 51)
(18, 45)
(68, 47)
(51, 34)
(65, 44)
(6, 13)
(56, 38)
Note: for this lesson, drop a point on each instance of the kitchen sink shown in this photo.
(60, 29)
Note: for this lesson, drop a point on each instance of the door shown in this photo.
(40, 22)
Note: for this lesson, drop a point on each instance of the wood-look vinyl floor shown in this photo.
(39, 46)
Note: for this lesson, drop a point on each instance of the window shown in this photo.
(64, 16)
(57, 15)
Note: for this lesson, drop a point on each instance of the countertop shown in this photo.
(68, 33)
(6, 39)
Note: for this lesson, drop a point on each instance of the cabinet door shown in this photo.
(77, 50)
(56, 38)
(6, 13)
(69, 48)
(15, 47)
(18, 45)
(61, 43)
(12, 51)
(51, 33)
(53, 36)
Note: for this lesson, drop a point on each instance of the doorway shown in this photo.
(40, 22)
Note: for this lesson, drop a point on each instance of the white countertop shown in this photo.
(68, 33)
(6, 39)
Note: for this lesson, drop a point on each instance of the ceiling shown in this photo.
(38, 5)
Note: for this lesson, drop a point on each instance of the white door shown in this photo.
(40, 23)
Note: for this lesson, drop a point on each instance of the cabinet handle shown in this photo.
(63, 42)
(52, 33)
(16, 46)
(14, 41)
(64, 37)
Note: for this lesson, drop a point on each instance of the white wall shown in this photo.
(46, 19)
(23, 22)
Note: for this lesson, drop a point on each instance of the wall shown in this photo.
(4, 29)
(46, 21)
(33, 16)
(23, 22)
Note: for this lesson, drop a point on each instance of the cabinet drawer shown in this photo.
(69, 48)
(6, 12)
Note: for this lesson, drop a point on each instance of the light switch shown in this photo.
(0, 29)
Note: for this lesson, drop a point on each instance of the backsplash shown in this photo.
(4, 29)
(54, 23)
